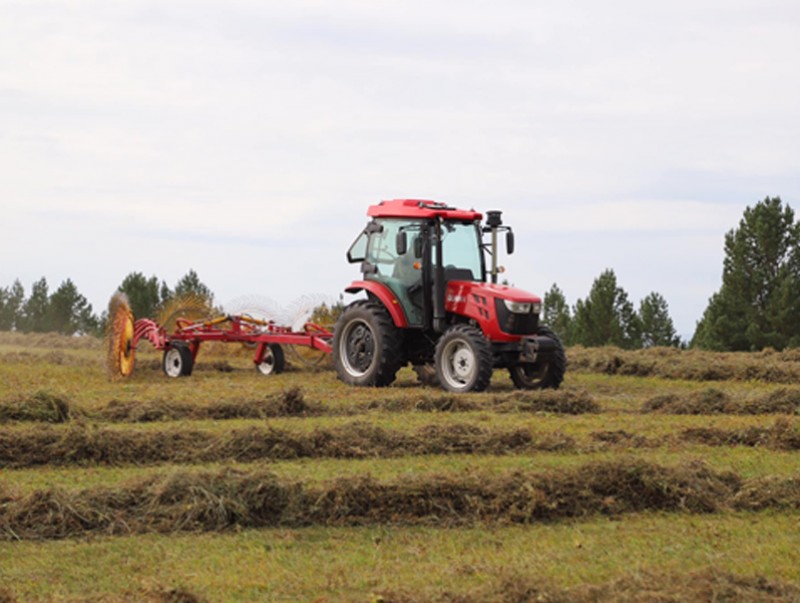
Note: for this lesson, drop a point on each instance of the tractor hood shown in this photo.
(458, 289)
(503, 313)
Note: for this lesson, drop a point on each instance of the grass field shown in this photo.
(652, 475)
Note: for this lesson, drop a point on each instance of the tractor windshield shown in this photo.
(461, 251)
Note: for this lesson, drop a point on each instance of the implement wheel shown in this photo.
(178, 360)
(464, 360)
(273, 362)
(541, 375)
(367, 347)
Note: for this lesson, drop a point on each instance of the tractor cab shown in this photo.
(401, 254)
(418, 248)
(433, 301)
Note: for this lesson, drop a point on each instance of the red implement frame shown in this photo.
(238, 329)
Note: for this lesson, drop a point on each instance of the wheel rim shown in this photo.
(173, 362)
(357, 348)
(267, 365)
(459, 364)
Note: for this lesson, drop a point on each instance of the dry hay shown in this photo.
(708, 585)
(79, 444)
(619, 438)
(550, 401)
(707, 401)
(143, 595)
(207, 501)
(288, 403)
(713, 401)
(40, 406)
(50, 341)
(782, 435)
(694, 365)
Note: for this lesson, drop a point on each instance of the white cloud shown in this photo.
(230, 131)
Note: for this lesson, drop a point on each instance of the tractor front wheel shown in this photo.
(541, 375)
(463, 360)
(367, 347)
(273, 361)
(178, 360)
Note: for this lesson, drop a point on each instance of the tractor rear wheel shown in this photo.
(367, 347)
(178, 360)
(463, 360)
(541, 375)
(273, 362)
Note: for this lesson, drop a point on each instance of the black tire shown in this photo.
(274, 361)
(178, 360)
(367, 347)
(463, 360)
(541, 375)
(426, 374)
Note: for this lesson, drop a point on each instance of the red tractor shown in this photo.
(429, 304)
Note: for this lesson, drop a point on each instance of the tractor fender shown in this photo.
(386, 297)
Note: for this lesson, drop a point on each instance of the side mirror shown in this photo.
(401, 243)
(509, 242)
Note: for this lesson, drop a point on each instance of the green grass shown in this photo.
(330, 564)
(348, 564)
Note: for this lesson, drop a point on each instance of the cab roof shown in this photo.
(420, 208)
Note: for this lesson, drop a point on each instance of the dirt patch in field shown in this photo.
(229, 498)
(79, 444)
(781, 435)
(642, 587)
(41, 406)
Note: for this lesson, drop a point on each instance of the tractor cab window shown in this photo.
(461, 251)
(402, 273)
(382, 250)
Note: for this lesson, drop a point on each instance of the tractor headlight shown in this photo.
(536, 308)
(517, 307)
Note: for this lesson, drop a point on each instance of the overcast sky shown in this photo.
(245, 139)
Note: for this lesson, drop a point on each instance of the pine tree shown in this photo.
(657, 326)
(35, 311)
(145, 296)
(556, 315)
(758, 304)
(190, 284)
(69, 312)
(606, 317)
(11, 300)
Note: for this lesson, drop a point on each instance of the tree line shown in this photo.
(608, 317)
(757, 305)
(68, 312)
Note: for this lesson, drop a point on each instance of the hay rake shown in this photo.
(182, 345)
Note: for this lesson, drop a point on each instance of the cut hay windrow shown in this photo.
(41, 406)
(693, 365)
(229, 498)
(781, 435)
(44, 406)
(714, 401)
(708, 585)
(82, 445)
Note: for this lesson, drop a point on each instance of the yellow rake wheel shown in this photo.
(121, 354)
